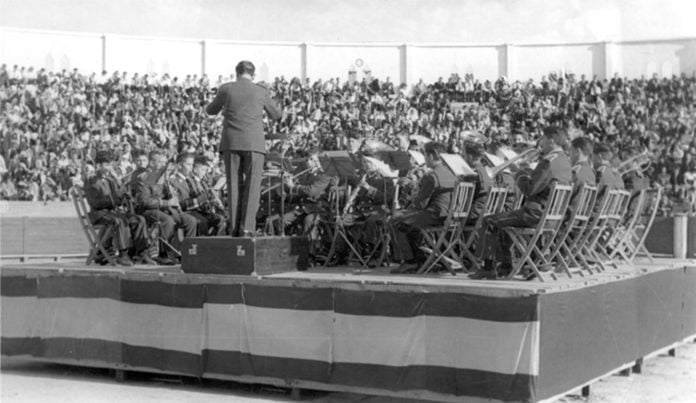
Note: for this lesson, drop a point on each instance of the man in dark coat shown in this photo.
(242, 144)
(429, 208)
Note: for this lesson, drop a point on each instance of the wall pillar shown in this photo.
(103, 53)
(203, 56)
(509, 67)
(303, 62)
(611, 62)
(403, 64)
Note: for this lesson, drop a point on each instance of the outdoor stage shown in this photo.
(436, 337)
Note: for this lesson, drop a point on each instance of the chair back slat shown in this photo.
(619, 206)
(558, 202)
(462, 199)
(495, 202)
(587, 198)
(519, 201)
(83, 210)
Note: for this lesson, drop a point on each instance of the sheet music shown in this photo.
(456, 163)
(494, 159)
(417, 156)
(506, 153)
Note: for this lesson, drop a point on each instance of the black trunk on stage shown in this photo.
(244, 256)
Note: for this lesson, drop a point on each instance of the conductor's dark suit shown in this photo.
(242, 146)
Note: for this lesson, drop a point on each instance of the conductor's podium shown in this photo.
(244, 256)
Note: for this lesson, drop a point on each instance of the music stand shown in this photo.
(400, 160)
(342, 165)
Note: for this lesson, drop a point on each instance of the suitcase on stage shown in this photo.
(244, 256)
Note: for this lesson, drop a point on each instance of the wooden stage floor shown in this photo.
(381, 276)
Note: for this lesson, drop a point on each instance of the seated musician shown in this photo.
(607, 176)
(473, 154)
(429, 208)
(156, 202)
(374, 201)
(107, 199)
(580, 153)
(195, 197)
(308, 194)
(535, 185)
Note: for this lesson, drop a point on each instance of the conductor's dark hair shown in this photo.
(245, 67)
(583, 144)
(435, 149)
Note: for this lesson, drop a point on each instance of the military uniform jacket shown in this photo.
(149, 190)
(436, 190)
(190, 192)
(608, 178)
(312, 186)
(553, 168)
(103, 192)
(242, 104)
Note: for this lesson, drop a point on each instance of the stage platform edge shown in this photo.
(432, 338)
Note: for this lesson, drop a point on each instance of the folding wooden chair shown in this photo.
(495, 203)
(441, 240)
(632, 243)
(519, 201)
(532, 245)
(566, 241)
(618, 219)
(612, 245)
(97, 234)
(608, 215)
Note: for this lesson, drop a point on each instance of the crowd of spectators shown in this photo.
(53, 123)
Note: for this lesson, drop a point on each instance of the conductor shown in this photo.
(242, 145)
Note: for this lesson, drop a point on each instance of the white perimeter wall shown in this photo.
(404, 63)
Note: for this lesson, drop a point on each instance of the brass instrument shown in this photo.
(354, 195)
(640, 162)
(520, 159)
(281, 174)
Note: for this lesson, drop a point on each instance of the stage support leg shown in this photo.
(585, 391)
(672, 352)
(120, 375)
(296, 394)
(638, 367)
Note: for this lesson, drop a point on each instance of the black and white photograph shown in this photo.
(347, 201)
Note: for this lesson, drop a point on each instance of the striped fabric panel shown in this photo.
(454, 344)
(329, 298)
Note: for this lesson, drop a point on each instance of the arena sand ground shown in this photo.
(664, 379)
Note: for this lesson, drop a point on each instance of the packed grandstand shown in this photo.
(53, 123)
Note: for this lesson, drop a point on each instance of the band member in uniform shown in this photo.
(242, 144)
(155, 201)
(308, 194)
(580, 154)
(194, 199)
(429, 208)
(473, 153)
(106, 198)
(554, 167)
(607, 176)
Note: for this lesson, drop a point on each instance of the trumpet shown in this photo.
(639, 162)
